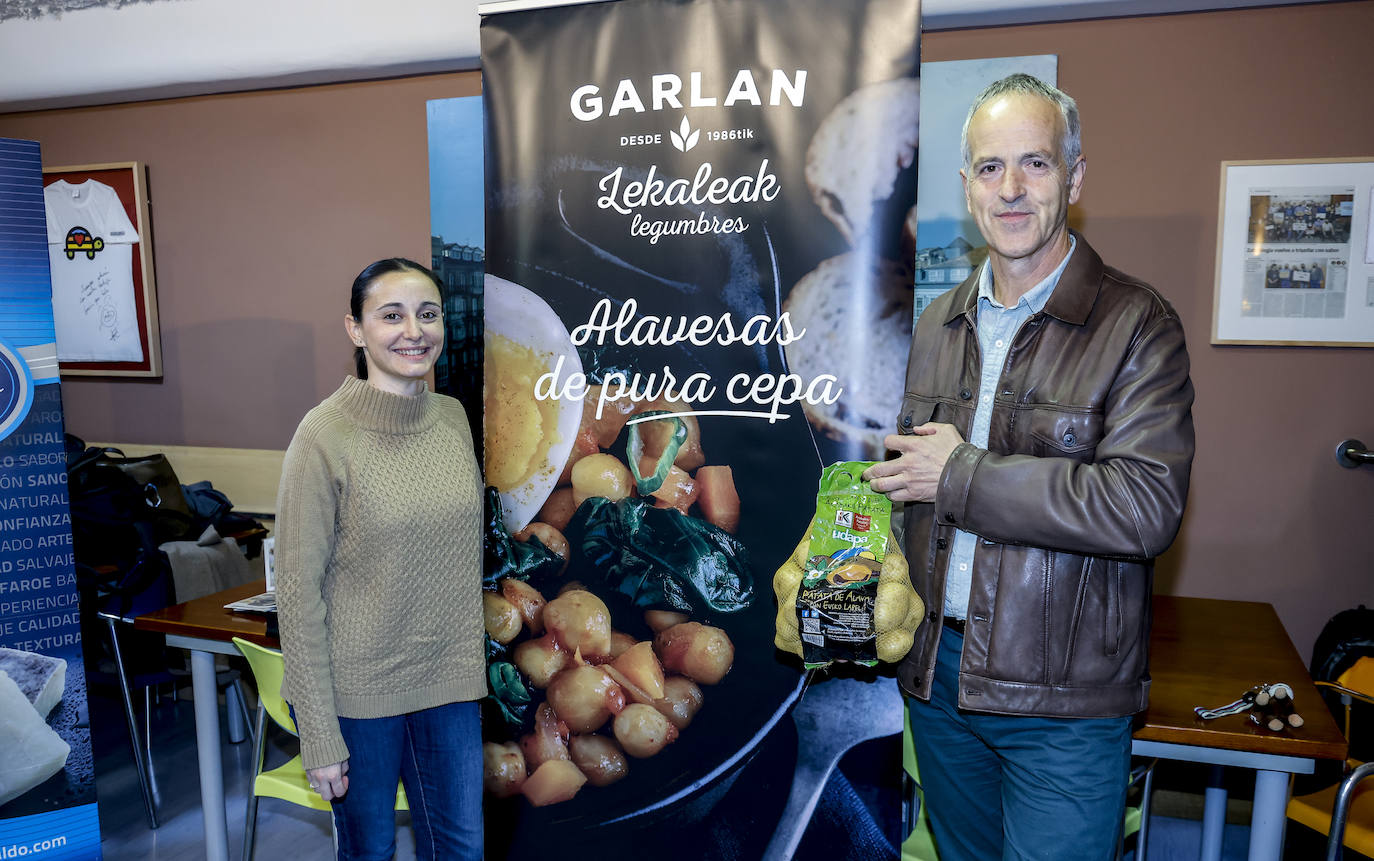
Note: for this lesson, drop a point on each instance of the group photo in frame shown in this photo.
(1295, 253)
(101, 262)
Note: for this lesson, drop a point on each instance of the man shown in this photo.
(1301, 278)
(1045, 442)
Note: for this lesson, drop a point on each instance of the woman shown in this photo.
(379, 583)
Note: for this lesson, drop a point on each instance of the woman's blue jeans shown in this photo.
(437, 754)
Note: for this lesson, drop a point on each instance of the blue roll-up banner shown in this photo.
(47, 777)
(702, 208)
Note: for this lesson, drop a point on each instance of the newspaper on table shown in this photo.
(265, 602)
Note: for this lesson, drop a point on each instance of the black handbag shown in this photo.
(107, 489)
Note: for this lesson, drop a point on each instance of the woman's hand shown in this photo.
(331, 781)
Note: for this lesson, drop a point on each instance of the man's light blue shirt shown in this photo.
(997, 328)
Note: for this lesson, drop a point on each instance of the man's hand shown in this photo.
(915, 474)
(331, 781)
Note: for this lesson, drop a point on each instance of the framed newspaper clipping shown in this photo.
(1295, 253)
(100, 254)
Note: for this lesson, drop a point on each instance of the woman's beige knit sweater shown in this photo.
(379, 562)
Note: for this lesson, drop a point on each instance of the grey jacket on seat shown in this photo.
(1082, 484)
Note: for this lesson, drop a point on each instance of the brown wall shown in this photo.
(264, 207)
(266, 204)
(1164, 100)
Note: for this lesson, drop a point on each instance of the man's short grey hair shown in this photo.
(1070, 148)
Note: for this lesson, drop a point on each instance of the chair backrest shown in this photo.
(268, 668)
(1359, 678)
(1356, 684)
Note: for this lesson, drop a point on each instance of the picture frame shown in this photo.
(1295, 253)
(104, 288)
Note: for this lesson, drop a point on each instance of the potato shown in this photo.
(897, 610)
(893, 645)
(583, 444)
(633, 693)
(642, 731)
(614, 414)
(503, 768)
(786, 583)
(558, 509)
(679, 490)
(540, 659)
(661, 620)
(555, 781)
(717, 497)
(580, 622)
(527, 600)
(599, 758)
(548, 536)
(890, 605)
(700, 652)
(500, 618)
(584, 698)
(601, 475)
(548, 741)
(689, 454)
(641, 668)
(681, 701)
(620, 643)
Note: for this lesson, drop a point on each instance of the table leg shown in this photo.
(1213, 814)
(1269, 818)
(208, 755)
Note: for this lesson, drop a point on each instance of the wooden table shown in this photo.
(205, 628)
(1205, 652)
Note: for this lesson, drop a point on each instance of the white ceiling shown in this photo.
(190, 47)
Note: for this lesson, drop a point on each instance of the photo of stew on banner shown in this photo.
(698, 292)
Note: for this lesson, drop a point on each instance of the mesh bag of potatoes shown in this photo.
(845, 592)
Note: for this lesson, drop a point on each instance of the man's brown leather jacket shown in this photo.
(1082, 484)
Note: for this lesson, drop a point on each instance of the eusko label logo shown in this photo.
(16, 389)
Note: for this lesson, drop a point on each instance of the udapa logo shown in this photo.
(684, 138)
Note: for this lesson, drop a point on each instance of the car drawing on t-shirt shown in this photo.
(80, 239)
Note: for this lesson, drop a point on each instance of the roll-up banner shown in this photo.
(47, 779)
(697, 208)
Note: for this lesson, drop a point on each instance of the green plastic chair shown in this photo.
(920, 843)
(288, 782)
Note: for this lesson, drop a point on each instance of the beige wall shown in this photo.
(266, 204)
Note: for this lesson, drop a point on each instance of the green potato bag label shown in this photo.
(840, 580)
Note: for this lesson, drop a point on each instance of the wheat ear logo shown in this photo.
(684, 138)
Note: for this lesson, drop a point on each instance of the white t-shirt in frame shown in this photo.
(90, 254)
